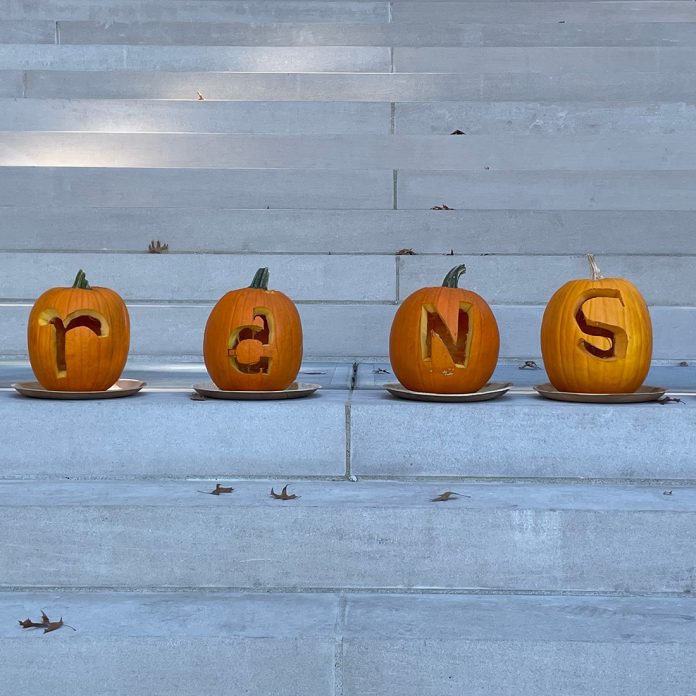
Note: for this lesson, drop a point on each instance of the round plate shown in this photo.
(645, 393)
(295, 391)
(124, 387)
(492, 390)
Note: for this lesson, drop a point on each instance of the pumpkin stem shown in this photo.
(81, 281)
(260, 281)
(596, 273)
(452, 278)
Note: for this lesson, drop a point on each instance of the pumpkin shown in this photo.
(253, 339)
(78, 337)
(444, 340)
(596, 335)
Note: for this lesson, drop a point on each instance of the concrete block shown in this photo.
(669, 190)
(166, 434)
(204, 277)
(552, 12)
(509, 279)
(527, 153)
(199, 10)
(395, 87)
(197, 188)
(184, 643)
(87, 229)
(543, 59)
(366, 535)
(521, 436)
(141, 116)
(518, 646)
(524, 118)
(30, 32)
(11, 83)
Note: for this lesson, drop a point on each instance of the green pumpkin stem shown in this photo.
(260, 281)
(596, 273)
(452, 278)
(81, 281)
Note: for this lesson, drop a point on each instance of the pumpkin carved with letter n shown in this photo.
(253, 339)
(444, 340)
(78, 337)
(596, 336)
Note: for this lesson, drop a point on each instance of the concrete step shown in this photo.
(147, 115)
(328, 644)
(345, 34)
(201, 58)
(180, 277)
(342, 331)
(122, 84)
(365, 535)
(475, 153)
(84, 229)
(201, 10)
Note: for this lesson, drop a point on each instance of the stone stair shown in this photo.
(320, 145)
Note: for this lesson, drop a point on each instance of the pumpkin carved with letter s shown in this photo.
(444, 340)
(253, 339)
(596, 336)
(78, 337)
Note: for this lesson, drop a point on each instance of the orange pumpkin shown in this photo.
(596, 336)
(253, 339)
(78, 337)
(444, 340)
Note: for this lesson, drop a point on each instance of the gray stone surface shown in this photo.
(19, 31)
(521, 436)
(86, 229)
(196, 58)
(166, 434)
(205, 278)
(141, 116)
(668, 190)
(11, 83)
(197, 188)
(476, 153)
(365, 535)
(600, 86)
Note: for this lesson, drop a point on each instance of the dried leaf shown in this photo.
(451, 253)
(200, 97)
(441, 207)
(457, 132)
(381, 371)
(669, 400)
(219, 490)
(447, 495)
(683, 363)
(283, 495)
(666, 492)
(46, 624)
(157, 247)
(197, 397)
(529, 365)
(28, 623)
(405, 252)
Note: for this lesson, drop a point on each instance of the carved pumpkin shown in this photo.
(444, 340)
(78, 337)
(596, 336)
(253, 339)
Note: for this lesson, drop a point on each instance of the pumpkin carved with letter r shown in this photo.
(253, 339)
(444, 340)
(78, 337)
(596, 336)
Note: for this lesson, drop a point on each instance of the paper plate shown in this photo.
(295, 391)
(492, 390)
(124, 387)
(645, 393)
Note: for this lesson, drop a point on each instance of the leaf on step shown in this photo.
(405, 252)
(283, 495)
(457, 132)
(46, 623)
(219, 490)
(451, 253)
(441, 207)
(381, 371)
(447, 495)
(197, 397)
(666, 492)
(157, 247)
(529, 365)
(669, 400)
(200, 97)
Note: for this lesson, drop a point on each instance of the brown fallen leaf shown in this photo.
(200, 97)
(46, 624)
(381, 371)
(529, 365)
(405, 252)
(219, 490)
(441, 207)
(669, 400)
(157, 247)
(283, 495)
(447, 495)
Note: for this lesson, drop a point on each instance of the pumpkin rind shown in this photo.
(253, 339)
(78, 338)
(444, 340)
(596, 336)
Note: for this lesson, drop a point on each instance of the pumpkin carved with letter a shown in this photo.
(78, 337)
(444, 340)
(596, 336)
(253, 339)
